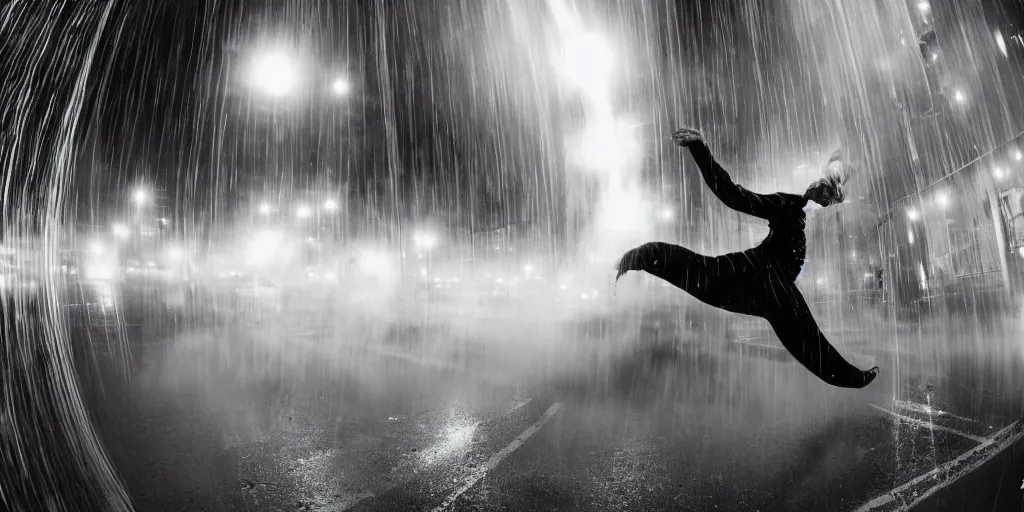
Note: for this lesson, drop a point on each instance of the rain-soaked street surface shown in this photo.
(649, 408)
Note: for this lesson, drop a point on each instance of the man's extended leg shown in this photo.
(791, 318)
(673, 263)
(710, 280)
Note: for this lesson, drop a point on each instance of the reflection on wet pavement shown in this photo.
(661, 410)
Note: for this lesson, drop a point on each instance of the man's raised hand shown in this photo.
(686, 137)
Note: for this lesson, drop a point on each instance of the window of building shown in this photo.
(1011, 203)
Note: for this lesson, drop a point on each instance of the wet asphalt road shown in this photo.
(647, 409)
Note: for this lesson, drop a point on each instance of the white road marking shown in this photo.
(925, 424)
(951, 471)
(519, 405)
(927, 409)
(496, 459)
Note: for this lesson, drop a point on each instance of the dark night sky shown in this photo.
(475, 123)
(175, 109)
(477, 118)
(170, 105)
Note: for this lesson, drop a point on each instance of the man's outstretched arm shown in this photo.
(718, 180)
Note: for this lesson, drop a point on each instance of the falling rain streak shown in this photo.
(329, 255)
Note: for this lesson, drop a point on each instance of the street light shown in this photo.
(264, 247)
(912, 214)
(958, 95)
(340, 87)
(924, 7)
(667, 214)
(1001, 43)
(330, 205)
(264, 209)
(175, 253)
(1017, 155)
(303, 212)
(943, 200)
(274, 73)
(424, 241)
(140, 196)
(999, 173)
(120, 231)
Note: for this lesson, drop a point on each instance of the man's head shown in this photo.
(827, 191)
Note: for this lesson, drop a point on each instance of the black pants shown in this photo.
(751, 283)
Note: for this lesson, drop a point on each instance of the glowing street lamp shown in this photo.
(175, 253)
(667, 214)
(274, 73)
(303, 212)
(264, 247)
(330, 205)
(140, 196)
(999, 173)
(1001, 43)
(340, 87)
(120, 231)
(943, 200)
(264, 209)
(424, 241)
(924, 7)
(958, 95)
(913, 215)
(1017, 155)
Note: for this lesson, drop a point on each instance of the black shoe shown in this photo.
(870, 376)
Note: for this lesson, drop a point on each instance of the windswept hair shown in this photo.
(835, 174)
